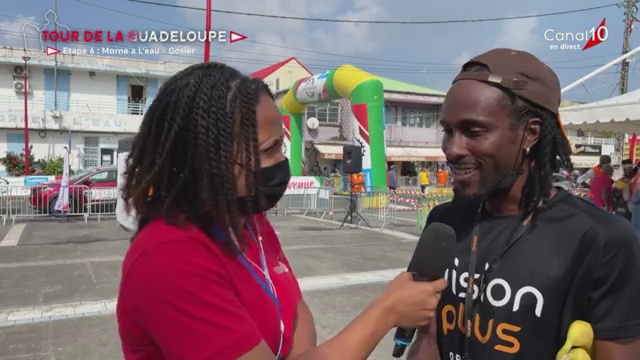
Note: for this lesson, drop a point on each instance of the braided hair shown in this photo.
(183, 165)
(547, 156)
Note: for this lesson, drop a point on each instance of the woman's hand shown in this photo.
(412, 303)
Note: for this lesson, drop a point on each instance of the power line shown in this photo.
(298, 49)
(382, 22)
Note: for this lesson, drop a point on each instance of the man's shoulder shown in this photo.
(596, 222)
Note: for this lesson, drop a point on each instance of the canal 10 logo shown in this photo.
(581, 40)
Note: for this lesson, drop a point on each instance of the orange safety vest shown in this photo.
(357, 182)
(596, 171)
(441, 178)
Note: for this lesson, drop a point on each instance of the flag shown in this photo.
(62, 203)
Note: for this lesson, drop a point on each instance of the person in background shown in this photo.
(336, 179)
(634, 187)
(585, 179)
(441, 177)
(205, 276)
(316, 170)
(601, 188)
(392, 178)
(424, 180)
(622, 192)
(325, 172)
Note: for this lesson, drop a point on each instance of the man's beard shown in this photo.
(490, 186)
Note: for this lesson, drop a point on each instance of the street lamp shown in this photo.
(26, 116)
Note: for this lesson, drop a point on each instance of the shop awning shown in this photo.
(334, 152)
(331, 152)
(415, 154)
(585, 162)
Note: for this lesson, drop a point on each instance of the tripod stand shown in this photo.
(353, 209)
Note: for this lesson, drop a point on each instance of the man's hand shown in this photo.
(425, 347)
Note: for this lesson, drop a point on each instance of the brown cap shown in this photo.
(520, 73)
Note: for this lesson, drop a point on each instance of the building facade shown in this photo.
(88, 101)
(281, 76)
(412, 132)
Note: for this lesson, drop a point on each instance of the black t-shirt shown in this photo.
(575, 262)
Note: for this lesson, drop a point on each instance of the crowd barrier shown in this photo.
(379, 209)
(20, 202)
(317, 200)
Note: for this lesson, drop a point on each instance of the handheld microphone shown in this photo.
(433, 255)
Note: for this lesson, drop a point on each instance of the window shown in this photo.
(137, 95)
(104, 176)
(277, 84)
(419, 117)
(15, 143)
(328, 113)
(390, 114)
(91, 151)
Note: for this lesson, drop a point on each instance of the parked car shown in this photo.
(99, 181)
(562, 182)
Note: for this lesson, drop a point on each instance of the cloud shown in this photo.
(520, 34)
(11, 33)
(403, 52)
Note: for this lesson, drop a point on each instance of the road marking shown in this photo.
(73, 310)
(406, 237)
(61, 262)
(13, 235)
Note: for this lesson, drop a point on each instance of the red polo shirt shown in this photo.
(183, 297)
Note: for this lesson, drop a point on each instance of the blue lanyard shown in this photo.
(263, 283)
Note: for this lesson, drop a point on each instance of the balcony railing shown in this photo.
(590, 140)
(16, 103)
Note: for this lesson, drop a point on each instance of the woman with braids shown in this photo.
(205, 276)
(532, 259)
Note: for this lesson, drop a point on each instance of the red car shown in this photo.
(101, 181)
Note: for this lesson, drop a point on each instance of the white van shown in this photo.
(127, 220)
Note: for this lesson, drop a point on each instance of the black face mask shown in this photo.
(272, 182)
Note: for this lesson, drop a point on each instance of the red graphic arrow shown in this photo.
(52, 51)
(234, 37)
(597, 37)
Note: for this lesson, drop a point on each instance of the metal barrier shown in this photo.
(317, 200)
(426, 205)
(378, 209)
(102, 202)
(39, 201)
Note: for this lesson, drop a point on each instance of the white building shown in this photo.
(97, 99)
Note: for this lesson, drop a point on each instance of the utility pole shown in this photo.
(55, 59)
(207, 27)
(629, 18)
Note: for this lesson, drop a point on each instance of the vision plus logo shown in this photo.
(581, 40)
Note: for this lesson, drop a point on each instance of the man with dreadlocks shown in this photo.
(531, 258)
(205, 276)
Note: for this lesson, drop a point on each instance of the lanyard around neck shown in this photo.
(469, 301)
(266, 284)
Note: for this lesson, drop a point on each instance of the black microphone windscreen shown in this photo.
(434, 253)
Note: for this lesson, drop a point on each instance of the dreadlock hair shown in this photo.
(547, 156)
(182, 166)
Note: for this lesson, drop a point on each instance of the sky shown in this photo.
(427, 55)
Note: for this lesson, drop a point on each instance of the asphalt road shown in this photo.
(59, 279)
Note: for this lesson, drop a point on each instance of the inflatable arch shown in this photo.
(367, 104)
